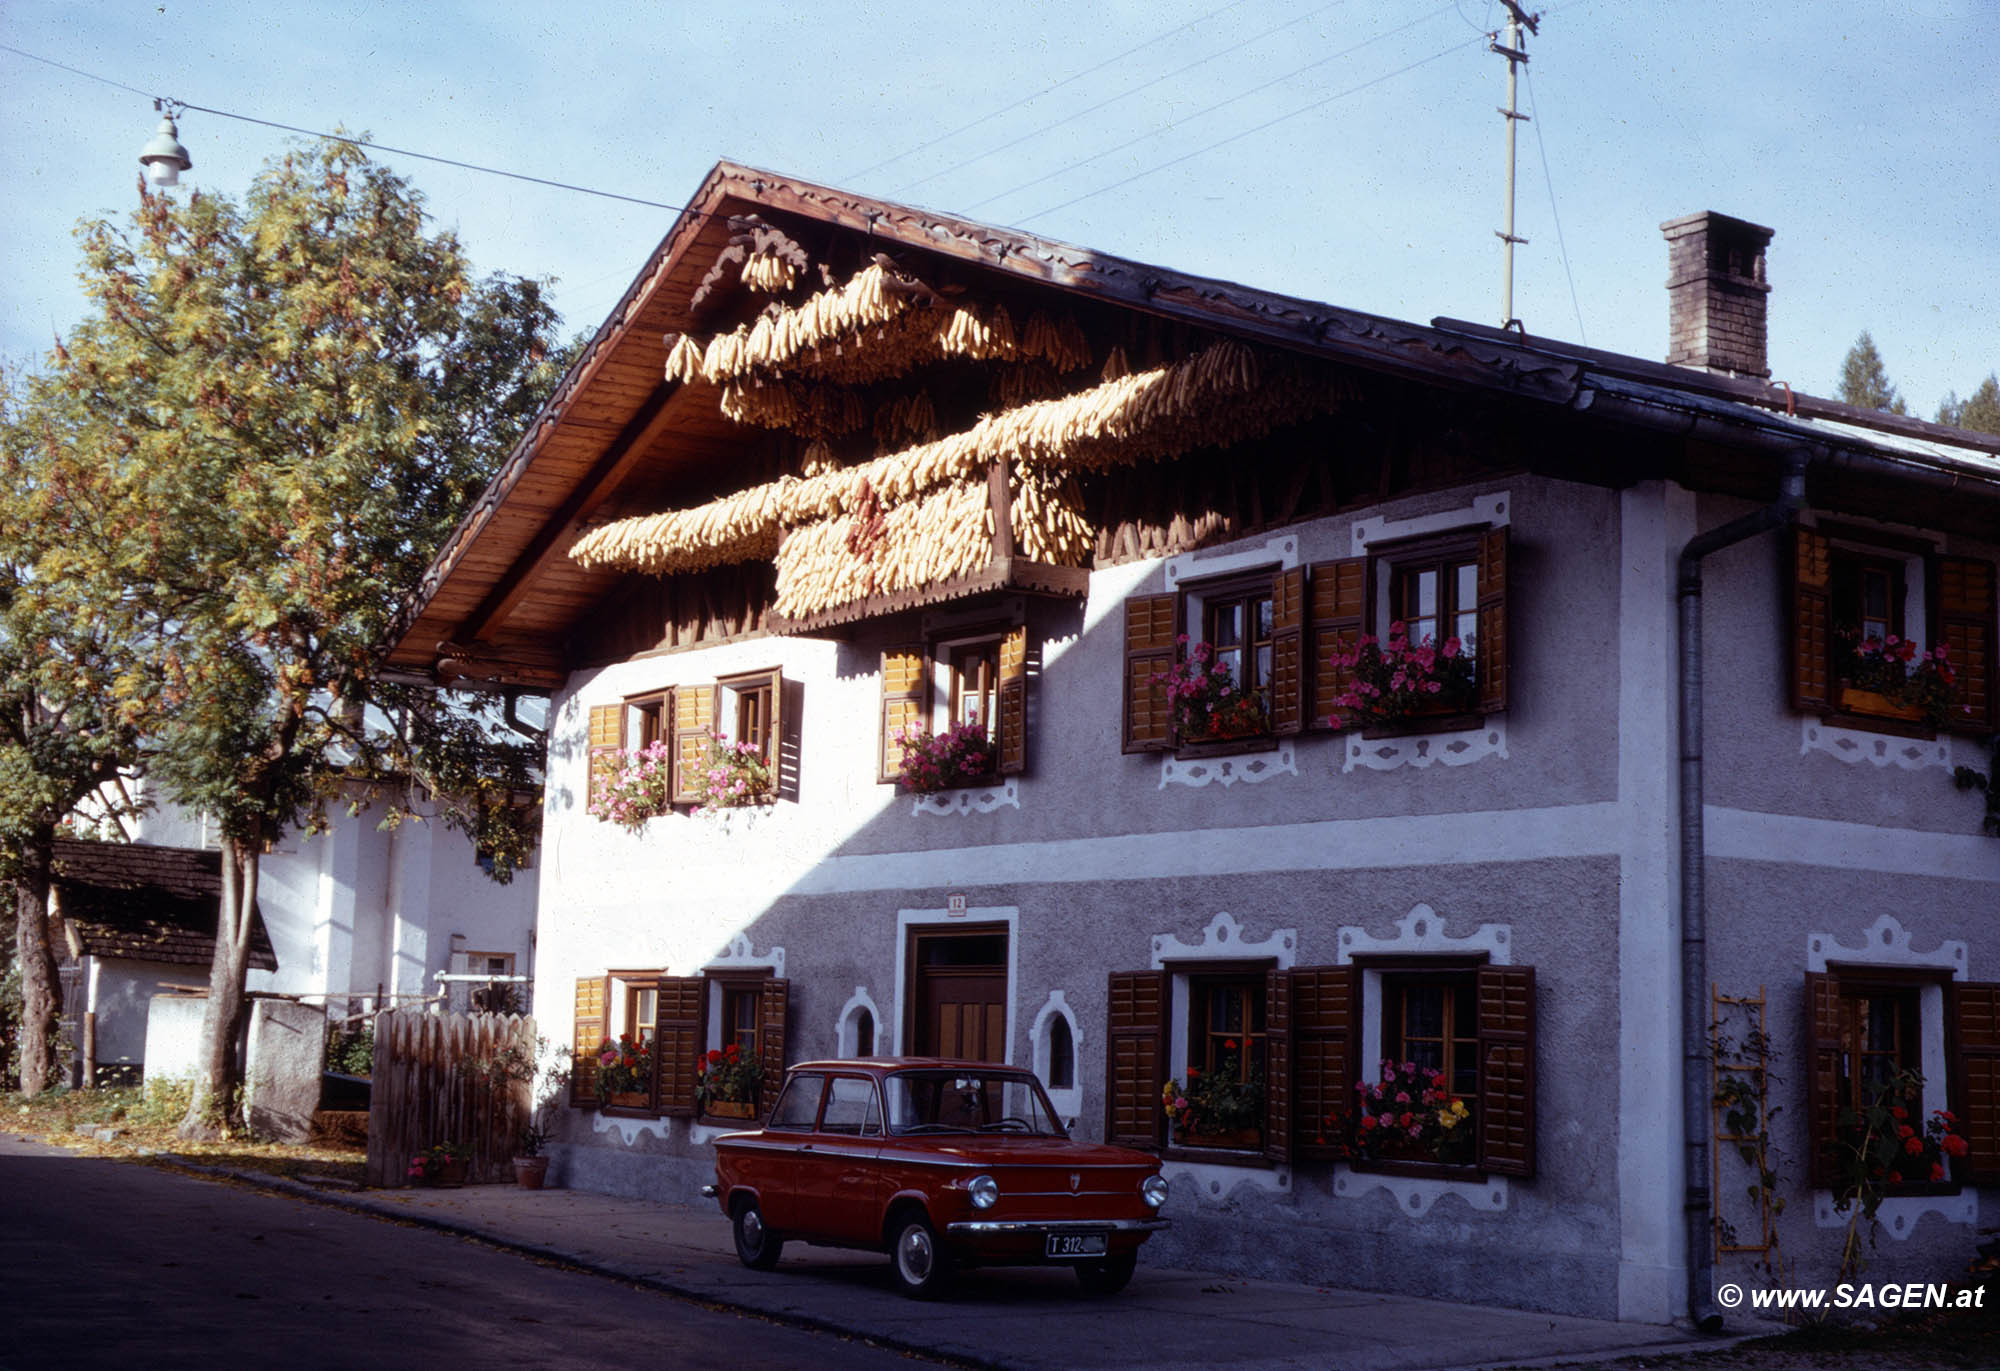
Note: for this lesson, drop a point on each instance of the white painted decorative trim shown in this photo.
(629, 1131)
(1199, 566)
(845, 1034)
(969, 800)
(1898, 1214)
(1422, 750)
(907, 919)
(1863, 745)
(1414, 1195)
(1247, 766)
(739, 956)
(1422, 931)
(1068, 1101)
(1885, 943)
(1484, 509)
(1223, 938)
(1839, 844)
(1214, 1183)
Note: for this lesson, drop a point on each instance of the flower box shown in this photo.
(1239, 1139)
(731, 1109)
(1853, 701)
(626, 1099)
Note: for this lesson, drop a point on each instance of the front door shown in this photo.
(959, 993)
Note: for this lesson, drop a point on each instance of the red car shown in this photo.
(940, 1164)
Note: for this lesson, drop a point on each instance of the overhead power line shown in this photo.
(1046, 90)
(1112, 100)
(1223, 104)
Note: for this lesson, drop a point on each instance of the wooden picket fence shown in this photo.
(428, 1089)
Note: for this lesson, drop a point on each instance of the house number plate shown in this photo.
(1076, 1245)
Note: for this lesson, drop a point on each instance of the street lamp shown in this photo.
(164, 158)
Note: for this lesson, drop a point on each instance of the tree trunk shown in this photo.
(218, 1072)
(39, 993)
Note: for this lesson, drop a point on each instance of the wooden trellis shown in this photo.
(1737, 1022)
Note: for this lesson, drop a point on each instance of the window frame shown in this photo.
(1928, 1015)
(921, 685)
(1385, 981)
(1391, 561)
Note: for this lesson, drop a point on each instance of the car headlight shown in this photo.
(985, 1192)
(1154, 1190)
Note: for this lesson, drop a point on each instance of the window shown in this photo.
(1062, 1054)
(495, 997)
(1871, 1025)
(798, 1107)
(851, 1108)
(1851, 585)
(683, 1017)
(1275, 632)
(1305, 1029)
(975, 675)
(745, 708)
(864, 1033)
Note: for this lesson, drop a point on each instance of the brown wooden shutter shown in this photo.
(1337, 613)
(1824, 1049)
(1152, 624)
(679, 1035)
(774, 999)
(693, 711)
(774, 739)
(607, 735)
(1812, 621)
(587, 1034)
(906, 700)
(1011, 728)
(1976, 1079)
(1490, 666)
(1507, 1070)
(1135, 1052)
(1288, 651)
(1326, 1047)
(1278, 1115)
(1966, 628)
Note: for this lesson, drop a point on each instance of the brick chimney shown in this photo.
(1717, 294)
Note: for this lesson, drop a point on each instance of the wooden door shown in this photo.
(959, 995)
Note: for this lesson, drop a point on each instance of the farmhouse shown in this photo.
(1251, 712)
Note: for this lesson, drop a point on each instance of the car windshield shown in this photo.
(967, 1102)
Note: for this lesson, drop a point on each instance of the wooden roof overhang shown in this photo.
(502, 600)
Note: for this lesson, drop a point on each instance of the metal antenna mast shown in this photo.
(1516, 53)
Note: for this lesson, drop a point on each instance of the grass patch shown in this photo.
(148, 1120)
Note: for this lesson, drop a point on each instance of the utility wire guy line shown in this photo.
(1046, 90)
(1220, 104)
(1109, 100)
(348, 138)
(1549, 178)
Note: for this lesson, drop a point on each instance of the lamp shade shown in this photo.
(164, 158)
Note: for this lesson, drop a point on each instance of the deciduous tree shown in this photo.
(293, 401)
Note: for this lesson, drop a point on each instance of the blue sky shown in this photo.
(1346, 151)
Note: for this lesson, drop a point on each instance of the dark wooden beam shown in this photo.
(555, 536)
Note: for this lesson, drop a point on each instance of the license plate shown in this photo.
(1076, 1244)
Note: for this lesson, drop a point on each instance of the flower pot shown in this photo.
(445, 1175)
(1239, 1139)
(530, 1172)
(626, 1099)
(730, 1109)
(1874, 703)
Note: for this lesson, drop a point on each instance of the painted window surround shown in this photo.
(1068, 1102)
(907, 919)
(1886, 943)
(1221, 941)
(1421, 932)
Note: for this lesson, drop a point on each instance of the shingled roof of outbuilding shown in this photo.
(139, 902)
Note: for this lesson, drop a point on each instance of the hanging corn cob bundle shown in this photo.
(804, 408)
(1221, 394)
(943, 535)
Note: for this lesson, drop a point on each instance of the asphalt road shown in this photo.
(106, 1264)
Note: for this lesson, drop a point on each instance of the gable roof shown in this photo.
(502, 594)
(138, 902)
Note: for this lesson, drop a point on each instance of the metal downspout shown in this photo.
(1695, 1103)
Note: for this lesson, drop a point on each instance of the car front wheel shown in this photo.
(757, 1247)
(917, 1259)
(1109, 1276)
